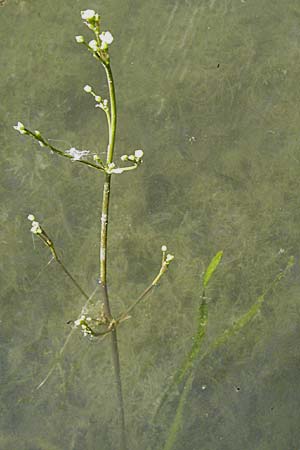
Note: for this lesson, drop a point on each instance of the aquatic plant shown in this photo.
(103, 323)
(182, 380)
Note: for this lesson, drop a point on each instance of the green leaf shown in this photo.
(221, 340)
(212, 267)
(177, 421)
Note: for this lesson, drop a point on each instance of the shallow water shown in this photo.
(210, 91)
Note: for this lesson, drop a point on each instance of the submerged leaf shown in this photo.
(197, 340)
(212, 267)
(177, 421)
(221, 340)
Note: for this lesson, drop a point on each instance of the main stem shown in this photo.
(103, 247)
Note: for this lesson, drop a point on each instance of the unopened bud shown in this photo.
(87, 88)
(169, 258)
(79, 39)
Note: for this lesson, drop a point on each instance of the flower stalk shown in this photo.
(39, 231)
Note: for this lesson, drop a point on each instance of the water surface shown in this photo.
(210, 91)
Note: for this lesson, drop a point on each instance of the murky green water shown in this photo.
(210, 91)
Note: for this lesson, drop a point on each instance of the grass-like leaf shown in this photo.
(211, 268)
(221, 340)
(191, 357)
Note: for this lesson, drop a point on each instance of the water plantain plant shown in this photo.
(102, 323)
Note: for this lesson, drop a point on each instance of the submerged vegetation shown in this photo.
(96, 320)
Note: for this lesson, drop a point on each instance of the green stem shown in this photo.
(113, 113)
(72, 278)
(45, 143)
(147, 291)
(103, 246)
(49, 243)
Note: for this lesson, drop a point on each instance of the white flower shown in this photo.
(169, 258)
(79, 321)
(106, 37)
(35, 228)
(103, 104)
(31, 217)
(79, 39)
(87, 88)
(88, 14)
(139, 154)
(124, 157)
(98, 98)
(20, 128)
(164, 248)
(77, 154)
(93, 45)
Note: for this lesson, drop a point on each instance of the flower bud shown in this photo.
(79, 39)
(169, 258)
(35, 227)
(20, 128)
(87, 88)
